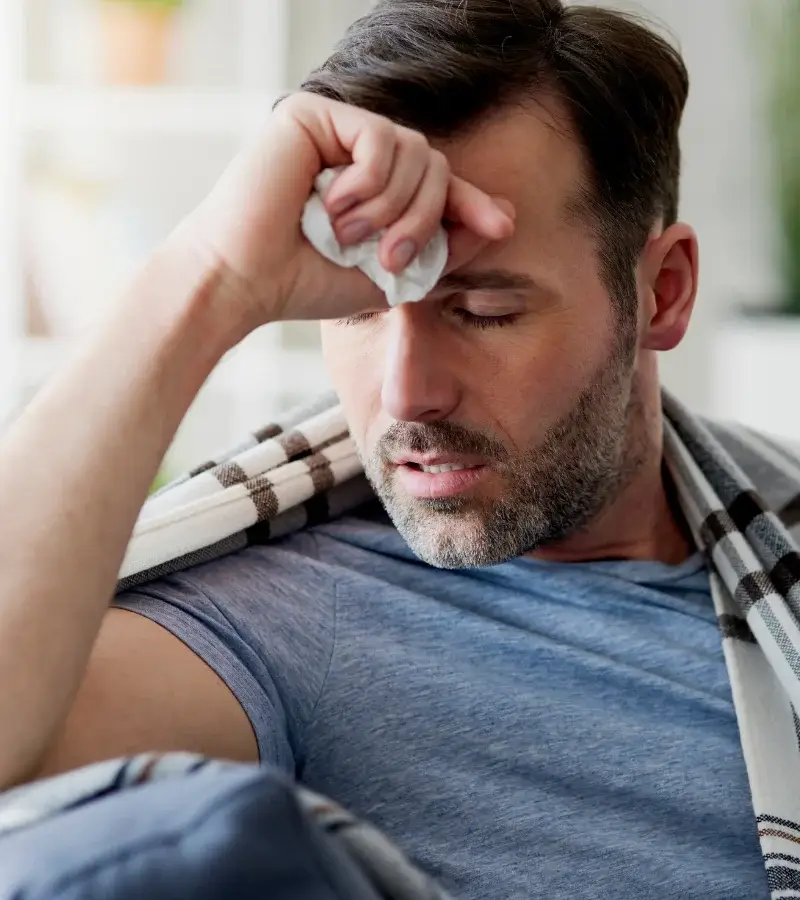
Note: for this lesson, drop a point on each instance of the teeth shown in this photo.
(435, 470)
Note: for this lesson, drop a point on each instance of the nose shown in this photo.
(419, 381)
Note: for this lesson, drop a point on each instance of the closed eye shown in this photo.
(467, 317)
(476, 321)
(357, 320)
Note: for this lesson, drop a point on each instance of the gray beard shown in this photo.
(551, 490)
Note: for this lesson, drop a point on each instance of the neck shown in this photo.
(643, 521)
(641, 524)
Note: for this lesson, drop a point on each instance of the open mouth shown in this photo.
(444, 480)
(438, 470)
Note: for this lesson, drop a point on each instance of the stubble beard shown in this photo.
(550, 490)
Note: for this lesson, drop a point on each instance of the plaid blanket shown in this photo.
(739, 491)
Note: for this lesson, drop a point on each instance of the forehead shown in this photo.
(527, 153)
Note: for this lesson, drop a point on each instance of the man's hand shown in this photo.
(394, 182)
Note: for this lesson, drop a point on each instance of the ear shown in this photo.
(669, 269)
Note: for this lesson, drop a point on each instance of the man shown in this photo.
(518, 673)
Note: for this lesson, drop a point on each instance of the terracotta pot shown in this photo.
(136, 39)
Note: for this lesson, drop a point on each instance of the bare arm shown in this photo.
(145, 691)
(74, 470)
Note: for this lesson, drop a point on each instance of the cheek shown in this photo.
(541, 374)
(345, 355)
(564, 352)
(355, 373)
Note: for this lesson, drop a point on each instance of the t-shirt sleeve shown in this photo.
(263, 620)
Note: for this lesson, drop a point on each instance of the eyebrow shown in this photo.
(486, 280)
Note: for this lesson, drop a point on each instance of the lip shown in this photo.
(437, 486)
(437, 459)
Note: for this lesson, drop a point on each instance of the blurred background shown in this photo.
(118, 115)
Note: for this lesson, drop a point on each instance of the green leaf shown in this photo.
(777, 28)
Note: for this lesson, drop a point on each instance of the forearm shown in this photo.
(74, 472)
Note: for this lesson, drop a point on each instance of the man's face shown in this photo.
(516, 370)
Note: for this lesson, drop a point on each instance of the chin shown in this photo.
(455, 541)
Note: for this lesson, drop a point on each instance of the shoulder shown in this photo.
(287, 585)
(306, 560)
(264, 620)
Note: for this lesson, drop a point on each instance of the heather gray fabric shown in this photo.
(526, 730)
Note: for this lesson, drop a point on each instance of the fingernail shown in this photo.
(403, 253)
(506, 207)
(354, 232)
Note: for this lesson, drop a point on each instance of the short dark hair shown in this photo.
(440, 66)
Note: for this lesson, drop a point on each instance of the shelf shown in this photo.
(143, 110)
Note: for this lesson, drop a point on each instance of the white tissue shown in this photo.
(416, 281)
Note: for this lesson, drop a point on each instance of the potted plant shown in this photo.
(757, 365)
(136, 39)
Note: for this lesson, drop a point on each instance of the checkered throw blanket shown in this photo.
(740, 494)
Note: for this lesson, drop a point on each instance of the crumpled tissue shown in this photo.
(416, 281)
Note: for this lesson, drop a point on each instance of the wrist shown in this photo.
(197, 297)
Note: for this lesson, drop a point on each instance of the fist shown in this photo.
(393, 182)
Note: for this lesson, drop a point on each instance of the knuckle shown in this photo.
(372, 175)
(284, 110)
(383, 131)
(300, 106)
(414, 140)
(374, 168)
(294, 101)
(440, 162)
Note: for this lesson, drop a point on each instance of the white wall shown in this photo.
(725, 178)
(314, 27)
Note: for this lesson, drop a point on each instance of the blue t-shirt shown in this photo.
(528, 730)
